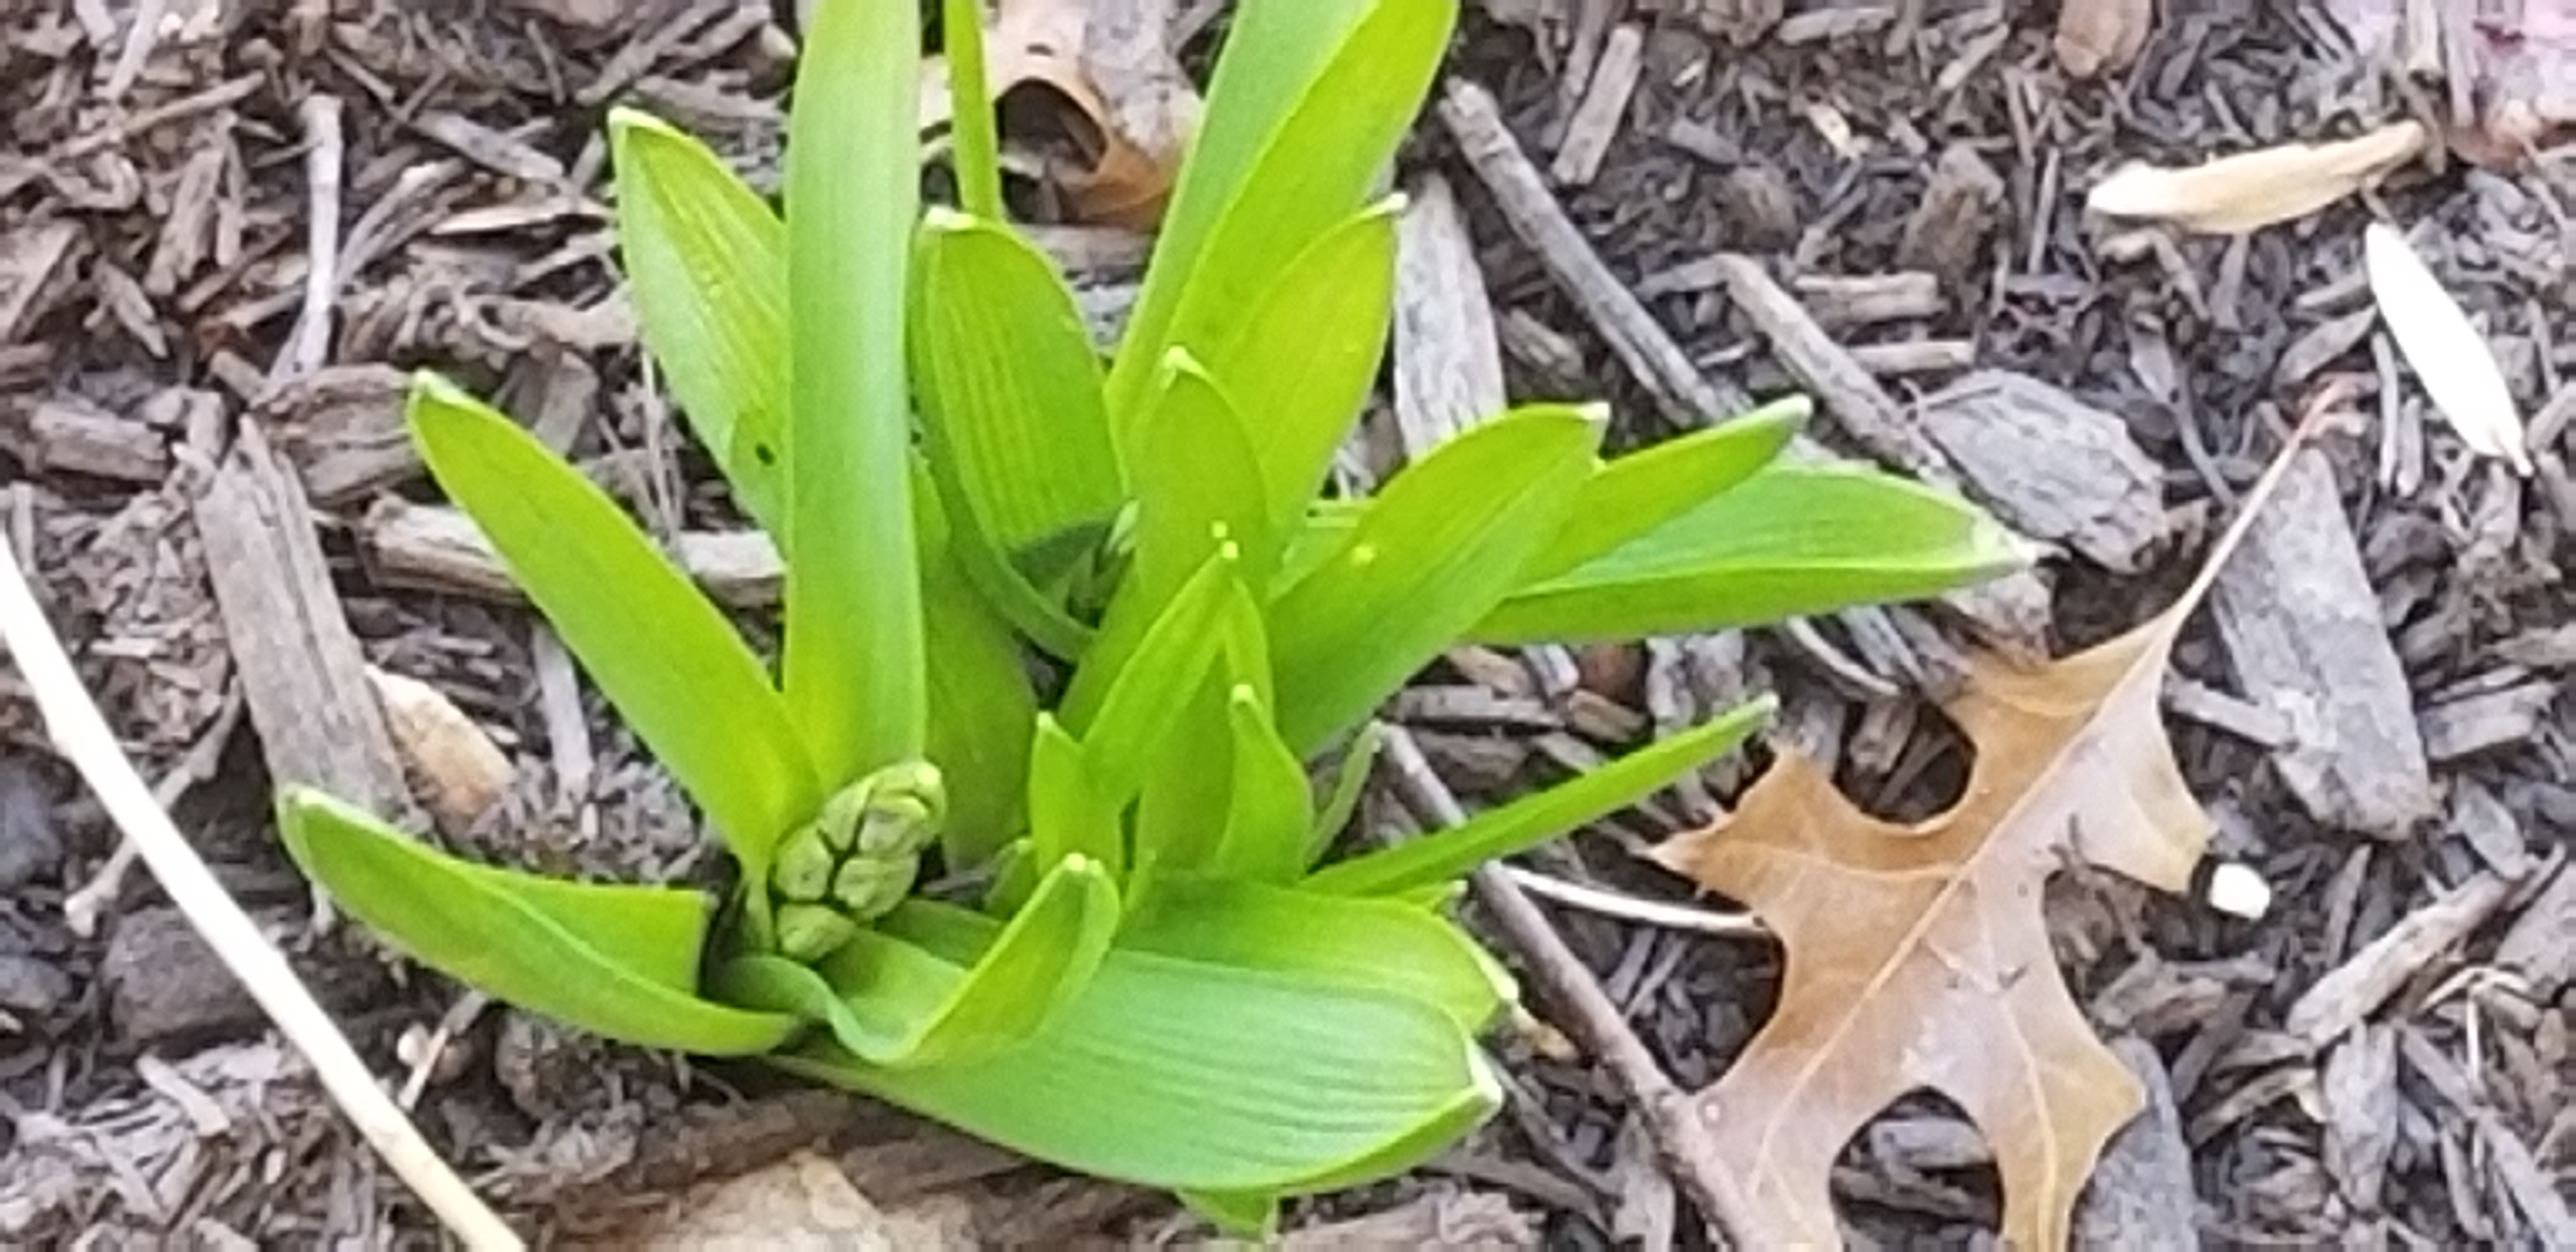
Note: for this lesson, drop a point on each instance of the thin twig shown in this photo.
(79, 731)
(1672, 1117)
(324, 152)
(139, 39)
(1631, 909)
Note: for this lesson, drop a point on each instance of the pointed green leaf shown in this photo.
(1012, 416)
(976, 150)
(1641, 491)
(1068, 813)
(1350, 782)
(1380, 945)
(1306, 354)
(1266, 824)
(1791, 541)
(981, 704)
(1531, 820)
(1443, 543)
(1198, 484)
(1118, 712)
(667, 660)
(892, 1004)
(1307, 104)
(1198, 1077)
(612, 959)
(706, 265)
(854, 647)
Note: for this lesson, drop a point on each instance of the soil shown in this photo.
(1912, 173)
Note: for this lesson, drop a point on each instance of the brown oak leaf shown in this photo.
(1917, 956)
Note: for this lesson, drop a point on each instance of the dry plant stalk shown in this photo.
(81, 734)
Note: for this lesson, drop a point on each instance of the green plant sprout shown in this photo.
(1167, 978)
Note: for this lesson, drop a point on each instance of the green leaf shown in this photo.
(1306, 106)
(1307, 354)
(1791, 541)
(1271, 810)
(1245, 1215)
(981, 704)
(1198, 486)
(1350, 782)
(612, 959)
(1068, 813)
(1643, 490)
(1119, 713)
(976, 151)
(894, 1005)
(1198, 1077)
(1012, 417)
(1531, 820)
(667, 660)
(1379, 945)
(854, 646)
(1443, 543)
(706, 265)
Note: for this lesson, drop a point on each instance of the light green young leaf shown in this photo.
(976, 150)
(1444, 855)
(1012, 417)
(1270, 813)
(1305, 109)
(1068, 813)
(1443, 542)
(1791, 541)
(1197, 1077)
(667, 660)
(893, 1005)
(1119, 712)
(854, 648)
(1343, 940)
(612, 959)
(1350, 782)
(1188, 805)
(706, 265)
(1307, 352)
(1637, 493)
(981, 705)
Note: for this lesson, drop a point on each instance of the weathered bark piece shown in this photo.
(2541, 944)
(165, 984)
(1448, 361)
(2141, 1196)
(28, 258)
(2303, 627)
(2053, 466)
(1605, 101)
(2352, 991)
(1954, 217)
(434, 548)
(303, 677)
(343, 427)
(2487, 720)
(84, 441)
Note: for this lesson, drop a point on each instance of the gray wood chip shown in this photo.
(2053, 466)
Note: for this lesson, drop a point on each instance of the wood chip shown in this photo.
(2141, 1194)
(2352, 991)
(303, 676)
(2052, 466)
(84, 441)
(1448, 359)
(1948, 230)
(1598, 118)
(2303, 628)
(460, 771)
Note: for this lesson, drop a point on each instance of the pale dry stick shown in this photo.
(139, 39)
(309, 344)
(1672, 1118)
(1628, 908)
(79, 731)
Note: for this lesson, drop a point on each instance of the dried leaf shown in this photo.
(1918, 956)
(457, 768)
(1124, 163)
(2251, 190)
(2102, 36)
(2449, 355)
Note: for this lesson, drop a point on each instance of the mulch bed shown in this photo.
(187, 443)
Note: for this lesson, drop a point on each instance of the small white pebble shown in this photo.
(2239, 891)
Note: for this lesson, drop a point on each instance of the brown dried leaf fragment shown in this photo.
(2096, 37)
(1918, 956)
(2234, 195)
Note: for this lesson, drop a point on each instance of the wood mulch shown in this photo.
(223, 240)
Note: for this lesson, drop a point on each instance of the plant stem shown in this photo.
(974, 148)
